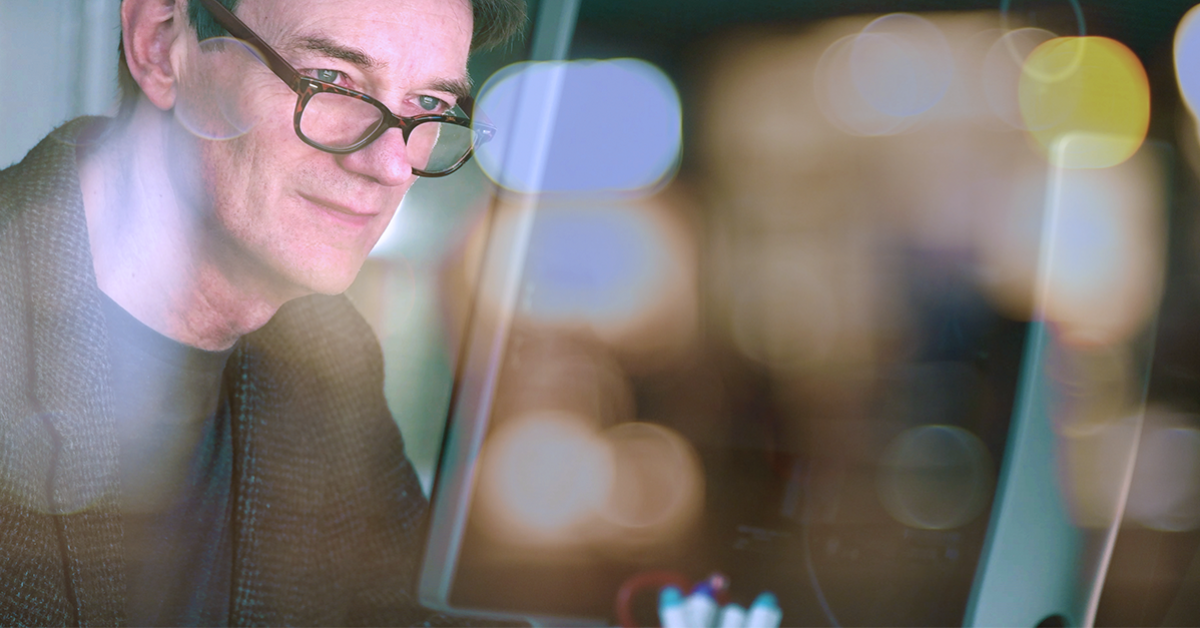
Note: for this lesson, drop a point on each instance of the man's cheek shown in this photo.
(190, 168)
(228, 92)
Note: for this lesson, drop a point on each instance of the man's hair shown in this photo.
(496, 23)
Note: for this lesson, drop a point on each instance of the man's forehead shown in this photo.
(364, 16)
(374, 34)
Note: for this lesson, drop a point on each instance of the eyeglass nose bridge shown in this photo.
(393, 121)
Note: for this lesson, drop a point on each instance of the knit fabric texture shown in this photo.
(329, 517)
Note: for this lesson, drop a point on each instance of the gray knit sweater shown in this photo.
(328, 522)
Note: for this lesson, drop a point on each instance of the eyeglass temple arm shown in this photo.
(238, 29)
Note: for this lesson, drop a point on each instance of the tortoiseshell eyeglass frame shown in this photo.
(306, 88)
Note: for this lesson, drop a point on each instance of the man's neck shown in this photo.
(155, 253)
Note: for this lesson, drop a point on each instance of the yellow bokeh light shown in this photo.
(1092, 89)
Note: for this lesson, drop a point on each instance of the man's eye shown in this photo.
(429, 103)
(327, 76)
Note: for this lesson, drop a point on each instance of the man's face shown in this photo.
(303, 218)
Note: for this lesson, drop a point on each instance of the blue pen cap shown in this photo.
(766, 598)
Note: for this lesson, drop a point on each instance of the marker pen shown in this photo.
(764, 612)
(701, 607)
(732, 616)
(670, 608)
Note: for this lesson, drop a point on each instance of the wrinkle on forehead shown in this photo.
(331, 48)
(290, 17)
(351, 33)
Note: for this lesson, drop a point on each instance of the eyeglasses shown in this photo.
(340, 121)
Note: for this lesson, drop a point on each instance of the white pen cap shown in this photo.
(732, 616)
(764, 612)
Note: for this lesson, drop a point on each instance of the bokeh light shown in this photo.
(553, 478)
(1002, 70)
(936, 477)
(1102, 251)
(1012, 12)
(880, 80)
(788, 130)
(562, 373)
(1008, 241)
(1094, 469)
(1095, 411)
(623, 270)
(1085, 100)
(1187, 58)
(842, 103)
(901, 64)
(543, 474)
(1094, 239)
(599, 265)
(1092, 387)
(1165, 490)
(658, 484)
(612, 125)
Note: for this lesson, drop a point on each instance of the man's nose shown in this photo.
(385, 160)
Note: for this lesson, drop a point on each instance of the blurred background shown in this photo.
(778, 290)
(818, 313)
(65, 53)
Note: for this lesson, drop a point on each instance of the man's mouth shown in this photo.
(342, 213)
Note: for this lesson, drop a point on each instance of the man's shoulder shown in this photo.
(321, 332)
(43, 229)
(322, 318)
(48, 175)
(59, 146)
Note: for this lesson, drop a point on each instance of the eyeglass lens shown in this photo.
(338, 121)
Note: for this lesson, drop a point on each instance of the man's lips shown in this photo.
(340, 212)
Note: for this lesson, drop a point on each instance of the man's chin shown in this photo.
(330, 280)
(332, 285)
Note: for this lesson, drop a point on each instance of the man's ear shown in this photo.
(149, 29)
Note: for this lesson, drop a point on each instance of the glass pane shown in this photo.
(338, 121)
(436, 146)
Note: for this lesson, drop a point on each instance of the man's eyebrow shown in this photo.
(460, 88)
(330, 48)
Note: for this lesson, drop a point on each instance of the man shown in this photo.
(191, 430)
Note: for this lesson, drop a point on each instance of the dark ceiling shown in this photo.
(1143, 25)
(670, 32)
(666, 32)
